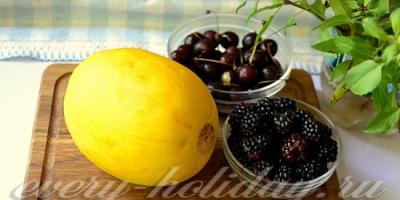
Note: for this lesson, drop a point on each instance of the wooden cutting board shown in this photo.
(57, 170)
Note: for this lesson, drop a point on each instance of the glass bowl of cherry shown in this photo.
(219, 48)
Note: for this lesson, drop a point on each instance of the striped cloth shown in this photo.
(56, 30)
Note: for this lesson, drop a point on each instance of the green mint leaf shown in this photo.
(379, 7)
(367, 2)
(395, 20)
(357, 60)
(364, 77)
(340, 70)
(355, 46)
(241, 5)
(384, 96)
(327, 46)
(340, 7)
(389, 53)
(383, 121)
(393, 4)
(326, 34)
(372, 28)
(334, 21)
(318, 7)
(398, 60)
(352, 4)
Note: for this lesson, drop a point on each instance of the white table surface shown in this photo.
(365, 157)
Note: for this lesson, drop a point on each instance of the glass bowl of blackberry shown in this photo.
(281, 146)
(224, 51)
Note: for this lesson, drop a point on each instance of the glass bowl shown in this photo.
(281, 189)
(222, 22)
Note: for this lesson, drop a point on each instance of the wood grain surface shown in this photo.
(57, 170)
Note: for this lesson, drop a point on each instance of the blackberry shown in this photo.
(324, 130)
(265, 109)
(310, 130)
(254, 146)
(251, 123)
(283, 104)
(284, 173)
(284, 122)
(235, 145)
(261, 167)
(295, 149)
(237, 114)
(279, 159)
(310, 170)
(301, 116)
(327, 151)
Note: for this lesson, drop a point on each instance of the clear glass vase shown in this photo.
(351, 111)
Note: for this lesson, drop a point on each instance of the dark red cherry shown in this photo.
(277, 66)
(217, 55)
(246, 56)
(186, 48)
(248, 40)
(211, 35)
(210, 71)
(272, 71)
(193, 38)
(204, 48)
(269, 73)
(227, 58)
(228, 39)
(269, 45)
(180, 56)
(247, 75)
(259, 59)
(232, 50)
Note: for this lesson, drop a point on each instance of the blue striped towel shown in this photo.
(54, 30)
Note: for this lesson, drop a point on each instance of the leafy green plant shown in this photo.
(368, 32)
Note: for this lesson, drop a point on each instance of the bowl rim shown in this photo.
(326, 175)
(283, 78)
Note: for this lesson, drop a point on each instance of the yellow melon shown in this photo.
(138, 115)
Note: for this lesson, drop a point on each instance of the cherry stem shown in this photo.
(269, 53)
(256, 43)
(197, 35)
(213, 61)
(208, 11)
